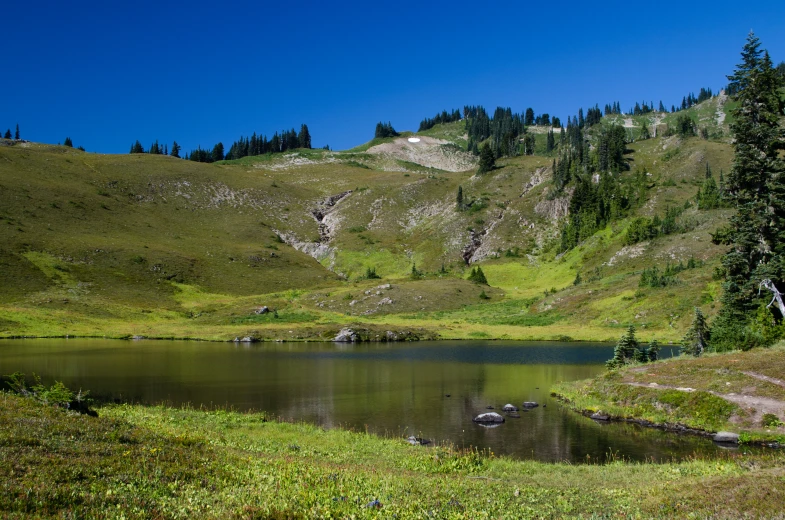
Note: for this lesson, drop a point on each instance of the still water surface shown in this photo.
(392, 389)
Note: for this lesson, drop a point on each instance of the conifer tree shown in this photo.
(756, 188)
(626, 350)
(7, 134)
(696, 341)
(68, 142)
(487, 160)
(218, 152)
(176, 149)
(304, 137)
(459, 199)
(16, 135)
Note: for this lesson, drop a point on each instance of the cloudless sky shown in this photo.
(107, 73)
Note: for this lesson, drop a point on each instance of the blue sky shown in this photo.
(108, 73)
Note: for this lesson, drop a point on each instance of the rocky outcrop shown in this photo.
(726, 437)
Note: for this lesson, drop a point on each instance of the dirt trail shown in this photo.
(429, 152)
(760, 405)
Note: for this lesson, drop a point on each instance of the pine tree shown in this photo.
(7, 134)
(304, 137)
(459, 199)
(487, 160)
(137, 147)
(626, 350)
(756, 188)
(16, 135)
(218, 152)
(68, 142)
(550, 143)
(696, 341)
(477, 276)
(176, 149)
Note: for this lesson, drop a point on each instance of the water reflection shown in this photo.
(395, 389)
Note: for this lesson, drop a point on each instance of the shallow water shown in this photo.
(392, 389)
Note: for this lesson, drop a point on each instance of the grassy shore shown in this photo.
(740, 392)
(141, 462)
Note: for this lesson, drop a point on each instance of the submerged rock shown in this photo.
(530, 404)
(510, 408)
(728, 437)
(489, 418)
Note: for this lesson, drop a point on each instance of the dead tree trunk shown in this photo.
(769, 285)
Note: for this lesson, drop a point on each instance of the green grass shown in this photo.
(139, 462)
(650, 392)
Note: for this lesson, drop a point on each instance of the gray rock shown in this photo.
(510, 408)
(346, 336)
(248, 339)
(600, 416)
(489, 417)
(417, 441)
(530, 404)
(262, 310)
(728, 437)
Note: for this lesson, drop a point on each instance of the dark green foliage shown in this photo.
(610, 149)
(504, 130)
(645, 134)
(653, 277)
(577, 280)
(550, 143)
(756, 189)
(218, 152)
(260, 144)
(385, 130)
(444, 117)
(57, 394)
(487, 160)
(684, 126)
(627, 350)
(176, 149)
(459, 199)
(137, 147)
(476, 275)
(7, 134)
(416, 273)
(653, 351)
(484, 296)
(644, 228)
(304, 137)
(370, 274)
(770, 420)
(68, 142)
(156, 149)
(696, 341)
(709, 195)
(16, 134)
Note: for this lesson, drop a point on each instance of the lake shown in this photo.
(394, 389)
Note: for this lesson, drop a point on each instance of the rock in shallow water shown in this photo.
(726, 437)
(530, 404)
(489, 418)
(510, 408)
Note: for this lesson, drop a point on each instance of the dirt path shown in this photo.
(755, 406)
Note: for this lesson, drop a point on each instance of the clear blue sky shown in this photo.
(107, 73)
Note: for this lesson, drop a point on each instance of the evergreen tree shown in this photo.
(487, 160)
(528, 119)
(16, 135)
(653, 351)
(68, 142)
(477, 276)
(304, 137)
(459, 199)
(550, 143)
(137, 147)
(645, 131)
(756, 188)
(218, 152)
(696, 341)
(176, 149)
(626, 350)
(7, 134)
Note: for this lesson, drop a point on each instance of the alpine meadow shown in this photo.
(654, 231)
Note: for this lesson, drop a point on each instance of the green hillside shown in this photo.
(151, 245)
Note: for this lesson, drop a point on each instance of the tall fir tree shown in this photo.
(487, 160)
(756, 188)
(176, 149)
(17, 135)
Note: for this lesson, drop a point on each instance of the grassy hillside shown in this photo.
(139, 462)
(151, 245)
